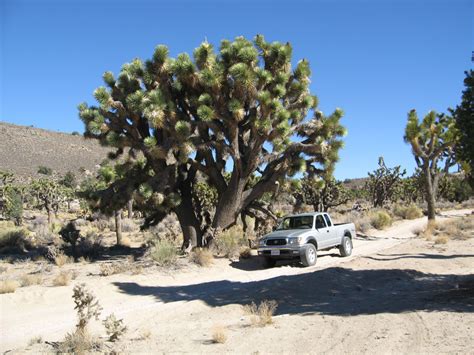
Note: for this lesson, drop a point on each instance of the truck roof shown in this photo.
(305, 214)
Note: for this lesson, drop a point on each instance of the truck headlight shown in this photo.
(295, 241)
(261, 243)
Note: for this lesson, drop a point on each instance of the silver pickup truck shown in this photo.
(301, 236)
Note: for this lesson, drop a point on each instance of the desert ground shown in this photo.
(397, 293)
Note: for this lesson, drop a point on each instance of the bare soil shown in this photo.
(396, 294)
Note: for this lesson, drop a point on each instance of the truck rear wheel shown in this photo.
(268, 262)
(346, 246)
(309, 257)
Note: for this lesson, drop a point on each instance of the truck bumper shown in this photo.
(284, 252)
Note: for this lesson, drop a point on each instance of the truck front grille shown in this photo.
(276, 242)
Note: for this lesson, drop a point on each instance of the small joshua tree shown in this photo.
(87, 306)
(383, 183)
(432, 140)
(114, 327)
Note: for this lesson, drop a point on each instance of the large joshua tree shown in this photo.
(432, 140)
(227, 117)
(464, 116)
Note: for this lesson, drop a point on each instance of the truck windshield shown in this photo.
(297, 222)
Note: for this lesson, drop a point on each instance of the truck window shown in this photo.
(296, 222)
(328, 220)
(320, 222)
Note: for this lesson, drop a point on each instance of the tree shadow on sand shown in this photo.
(331, 291)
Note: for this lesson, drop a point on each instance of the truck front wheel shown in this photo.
(308, 258)
(346, 246)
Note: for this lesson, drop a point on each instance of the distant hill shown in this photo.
(23, 149)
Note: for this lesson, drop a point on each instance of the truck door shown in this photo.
(322, 232)
(334, 238)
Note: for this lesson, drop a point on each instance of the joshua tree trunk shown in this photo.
(192, 234)
(118, 226)
(49, 210)
(130, 208)
(430, 193)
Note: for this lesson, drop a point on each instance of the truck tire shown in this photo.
(310, 255)
(346, 246)
(268, 262)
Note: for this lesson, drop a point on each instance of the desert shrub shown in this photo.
(114, 327)
(380, 219)
(15, 240)
(80, 222)
(86, 305)
(219, 335)
(413, 212)
(87, 308)
(91, 245)
(168, 229)
(30, 279)
(441, 239)
(201, 257)
(129, 226)
(261, 314)
(230, 241)
(63, 279)
(407, 212)
(62, 259)
(8, 286)
(459, 229)
(35, 340)
(164, 253)
(13, 208)
(44, 170)
(101, 224)
(107, 269)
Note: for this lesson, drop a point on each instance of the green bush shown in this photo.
(14, 240)
(164, 253)
(14, 207)
(380, 219)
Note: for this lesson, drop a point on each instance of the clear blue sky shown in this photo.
(375, 59)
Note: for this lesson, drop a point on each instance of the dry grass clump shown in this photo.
(411, 211)
(31, 279)
(442, 239)
(108, 269)
(219, 335)
(201, 257)
(79, 342)
(125, 242)
(230, 242)
(35, 340)
(61, 259)
(261, 314)
(8, 286)
(164, 253)
(380, 219)
(459, 229)
(63, 279)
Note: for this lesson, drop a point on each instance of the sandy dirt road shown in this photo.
(387, 297)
